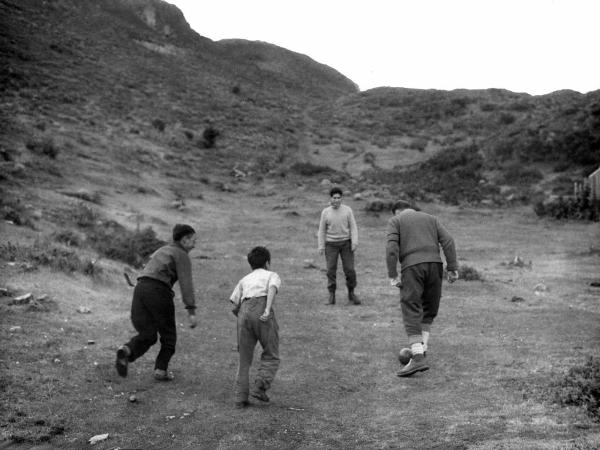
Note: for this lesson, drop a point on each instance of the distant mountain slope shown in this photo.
(104, 78)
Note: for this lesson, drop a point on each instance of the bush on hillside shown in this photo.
(581, 387)
(159, 124)
(308, 169)
(45, 253)
(468, 273)
(114, 241)
(209, 137)
(520, 174)
(13, 210)
(581, 207)
(45, 146)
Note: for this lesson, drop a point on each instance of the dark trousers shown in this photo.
(152, 313)
(250, 331)
(342, 249)
(420, 298)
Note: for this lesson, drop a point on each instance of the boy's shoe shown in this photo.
(122, 360)
(352, 298)
(163, 375)
(416, 364)
(331, 300)
(242, 404)
(260, 394)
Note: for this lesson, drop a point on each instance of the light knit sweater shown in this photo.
(337, 225)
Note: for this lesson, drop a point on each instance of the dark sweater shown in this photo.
(414, 237)
(170, 264)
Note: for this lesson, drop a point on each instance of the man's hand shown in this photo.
(193, 320)
(353, 247)
(396, 282)
(452, 276)
(265, 316)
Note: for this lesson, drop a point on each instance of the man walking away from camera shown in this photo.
(414, 239)
(152, 307)
(338, 237)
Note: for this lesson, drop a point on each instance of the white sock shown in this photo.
(425, 339)
(416, 348)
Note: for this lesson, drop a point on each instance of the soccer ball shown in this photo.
(404, 356)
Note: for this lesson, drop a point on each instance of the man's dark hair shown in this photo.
(259, 257)
(403, 204)
(181, 230)
(335, 190)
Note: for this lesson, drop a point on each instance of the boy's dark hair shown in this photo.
(181, 230)
(259, 257)
(335, 190)
(403, 204)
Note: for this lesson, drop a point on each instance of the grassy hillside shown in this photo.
(118, 121)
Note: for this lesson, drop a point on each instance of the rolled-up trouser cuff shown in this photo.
(425, 327)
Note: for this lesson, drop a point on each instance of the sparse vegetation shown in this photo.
(580, 387)
(581, 207)
(468, 273)
(309, 169)
(45, 146)
(116, 242)
(44, 252)
(209, 137)
(159, 124)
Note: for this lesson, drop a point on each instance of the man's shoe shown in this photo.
(259, 394)
(242, 404)
(352, 298)
(122, 360)
(163, 375)
(331, 300)
(416, 364)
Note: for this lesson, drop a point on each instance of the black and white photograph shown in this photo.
(299, 225)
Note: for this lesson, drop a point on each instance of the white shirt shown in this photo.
(255, 284)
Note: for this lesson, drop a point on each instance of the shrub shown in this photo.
(236, 90)
(581, 387)
(45, 146)
(114, 241)
(468, 273)
(45, 253)
(84, 215)
(506, 118)
(188, 134)
(68, 237)
(581, 207)
(13, 210)
(308, 169)
(522, 175)
(159, 125)
(209, 137)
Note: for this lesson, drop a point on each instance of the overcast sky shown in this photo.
(533, 46)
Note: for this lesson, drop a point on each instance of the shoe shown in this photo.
(242, 404)
(416, 364)
(163, 375)
(352, 298)
(260, 395)
(122, 360)
(331, 300)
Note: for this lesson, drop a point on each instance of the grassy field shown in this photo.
(496, 346)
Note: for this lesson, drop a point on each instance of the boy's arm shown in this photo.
(321, 233)
(270, 298)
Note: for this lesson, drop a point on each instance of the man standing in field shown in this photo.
(414, 239)
(152, 308)
(338, 237)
